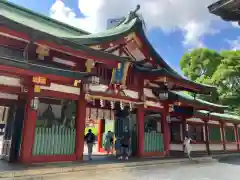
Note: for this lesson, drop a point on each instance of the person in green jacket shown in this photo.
(108, 143)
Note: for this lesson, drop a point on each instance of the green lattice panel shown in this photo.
(54, 141)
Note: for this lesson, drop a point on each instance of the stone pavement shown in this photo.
(90, 167)
(227, 170)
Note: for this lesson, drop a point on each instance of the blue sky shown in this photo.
(169, 45)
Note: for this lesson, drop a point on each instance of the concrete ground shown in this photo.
(226, 169)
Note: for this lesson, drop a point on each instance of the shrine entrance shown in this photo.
(12, 135)
(116, 119)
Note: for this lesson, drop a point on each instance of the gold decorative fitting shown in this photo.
(89, 65)
(37, 89)
(130, 37)
(76, 83)
(88, 98)
(42, 50)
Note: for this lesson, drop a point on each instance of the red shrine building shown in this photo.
(55, 78)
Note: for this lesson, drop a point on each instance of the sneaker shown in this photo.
(120, 158)
(126, 158)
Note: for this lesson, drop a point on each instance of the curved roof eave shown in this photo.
(189, 98)
(40, 21)
(164, 71)
(109, 35)
(10, 61)
(35, 34)
(220, 116)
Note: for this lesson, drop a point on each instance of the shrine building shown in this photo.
(228, 10)
(55, 79)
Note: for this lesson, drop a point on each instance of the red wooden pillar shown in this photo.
(223, 135)
(101, 129)
(80, 126)
(166, 130)
(236, 135)
(28, 132)
(140, 131)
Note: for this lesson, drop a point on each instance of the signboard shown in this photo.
(111, 23)
(183, 110)
(39, 80)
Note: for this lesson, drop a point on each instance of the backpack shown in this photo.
(91, 137)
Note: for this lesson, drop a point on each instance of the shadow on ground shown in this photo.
(233, 159)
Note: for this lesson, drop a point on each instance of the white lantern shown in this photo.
(163, 96)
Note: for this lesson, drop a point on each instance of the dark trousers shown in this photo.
(125, 150)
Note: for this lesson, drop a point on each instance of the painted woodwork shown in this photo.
(121, 85)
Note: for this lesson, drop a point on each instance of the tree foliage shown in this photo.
(221, 69)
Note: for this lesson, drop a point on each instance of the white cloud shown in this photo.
(190, 16)
(235, 44)
(235, 24)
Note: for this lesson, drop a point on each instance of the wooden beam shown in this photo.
(10, 89)
(7, 102)
(7, 41)
(59, 48)
(24, 72)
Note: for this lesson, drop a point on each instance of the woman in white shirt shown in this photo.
(187, 146)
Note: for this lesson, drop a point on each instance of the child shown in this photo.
(118, 147)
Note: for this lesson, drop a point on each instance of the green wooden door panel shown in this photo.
(229, 134)
(214, 133)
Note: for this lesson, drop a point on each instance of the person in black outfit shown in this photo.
(89, 139)
(125, 142)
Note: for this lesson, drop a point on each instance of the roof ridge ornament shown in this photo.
(132, 14)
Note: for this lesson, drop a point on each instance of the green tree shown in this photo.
(227, 79)
(220, 69)
(199, 65)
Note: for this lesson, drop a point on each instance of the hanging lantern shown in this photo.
(163, 96)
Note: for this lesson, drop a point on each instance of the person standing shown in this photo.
(108, 143)
(90, 140)
(125, 144)
(187, 146)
